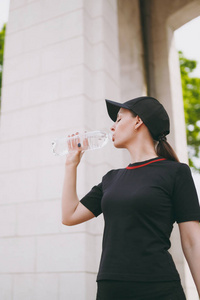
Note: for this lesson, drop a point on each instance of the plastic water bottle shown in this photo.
(89, 141)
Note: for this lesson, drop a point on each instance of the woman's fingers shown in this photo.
(78, 142)
(69, 143)
(85, 142)
(75, 142)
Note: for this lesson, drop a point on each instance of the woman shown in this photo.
(140, 203)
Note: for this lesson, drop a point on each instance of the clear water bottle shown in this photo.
(87, 140)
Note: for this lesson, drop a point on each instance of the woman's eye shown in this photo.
(118, 120)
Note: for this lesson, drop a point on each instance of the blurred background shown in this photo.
(59, 60)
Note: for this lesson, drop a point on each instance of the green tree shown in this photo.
(2, 38)
(191, 99)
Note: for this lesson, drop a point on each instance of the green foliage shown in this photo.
(2, 38)
(191, 99)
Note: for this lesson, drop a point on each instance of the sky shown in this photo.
(187, 39)
(4, 10)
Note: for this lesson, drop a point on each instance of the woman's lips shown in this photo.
(113, 138)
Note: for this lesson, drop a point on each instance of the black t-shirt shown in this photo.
(140, 203)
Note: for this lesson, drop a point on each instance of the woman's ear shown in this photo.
(138, 122)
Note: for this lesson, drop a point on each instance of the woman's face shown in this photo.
(123, 129)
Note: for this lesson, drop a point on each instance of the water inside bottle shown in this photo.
(89, 141)
(96, 140)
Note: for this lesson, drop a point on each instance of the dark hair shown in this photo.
(163, 148)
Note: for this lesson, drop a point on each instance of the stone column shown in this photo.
(132, 67)
(162, 18)
(61, 61)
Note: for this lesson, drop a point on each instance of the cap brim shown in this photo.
(113, 108)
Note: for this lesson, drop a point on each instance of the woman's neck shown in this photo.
(141, 151)
(135, 158)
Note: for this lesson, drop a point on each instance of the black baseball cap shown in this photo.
(149, 109)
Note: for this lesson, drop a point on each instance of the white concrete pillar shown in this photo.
(132, 69)
(61, 61)
(165, 18)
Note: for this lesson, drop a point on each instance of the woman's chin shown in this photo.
(118, 145)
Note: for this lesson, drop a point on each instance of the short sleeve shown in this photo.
(92, 200)
(185, 199)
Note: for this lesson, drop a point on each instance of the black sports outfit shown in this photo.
(140, 203)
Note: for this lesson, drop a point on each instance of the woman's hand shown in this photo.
(75, 150)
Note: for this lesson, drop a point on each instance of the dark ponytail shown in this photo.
(164, 149)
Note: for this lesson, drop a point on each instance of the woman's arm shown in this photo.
(190, 240)
(73, 211)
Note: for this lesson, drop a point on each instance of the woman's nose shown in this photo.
(113, 127)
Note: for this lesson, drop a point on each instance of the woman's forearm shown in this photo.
(190, 240)
(69, 195)
(192, 255)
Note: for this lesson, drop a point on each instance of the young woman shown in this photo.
(140, 204)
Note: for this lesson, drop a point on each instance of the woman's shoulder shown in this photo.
(177, 168)
(177, 164)
(113, 172)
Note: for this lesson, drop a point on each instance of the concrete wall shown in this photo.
(61, 61)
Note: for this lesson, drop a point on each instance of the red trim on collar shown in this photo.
(150, 162)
